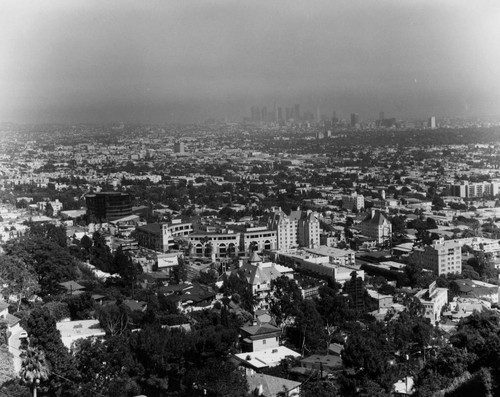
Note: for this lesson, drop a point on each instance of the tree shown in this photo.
(34, 368)
(398, 224)
(17, 278)
(43, 334)
(52, 263)
(49, 210)
(284, 299)
(308, 333)
(318, 388)
(126, 268)
(113, 318)
(100, 254)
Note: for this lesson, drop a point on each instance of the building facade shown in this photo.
(108, 206)
(162, 236)
(353, 201)
(442, 257)
(377, 226)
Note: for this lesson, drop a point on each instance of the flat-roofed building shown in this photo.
(442, 257)
(108, 206)
(433, 299)
(161, 236)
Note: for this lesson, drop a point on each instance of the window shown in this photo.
(264, 341)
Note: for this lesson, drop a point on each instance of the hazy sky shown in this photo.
(183, 60)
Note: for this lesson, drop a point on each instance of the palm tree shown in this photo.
(34, 368)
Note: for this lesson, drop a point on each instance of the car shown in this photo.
(23, 335)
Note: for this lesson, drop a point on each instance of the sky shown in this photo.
(184, 60)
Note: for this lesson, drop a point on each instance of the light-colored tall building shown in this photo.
(300, 228)
(442, 257)
(286, 229)
(432, 122)
(466, 189)
(309, 230)
(353, 201)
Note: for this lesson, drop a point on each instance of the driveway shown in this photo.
(14, 344)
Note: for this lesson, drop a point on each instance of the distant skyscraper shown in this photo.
(318, 115)
(256, 116)
(280, 114)
(381, 116)
(288, 114)
(296, 112)
(432, 122)
(179, 147)
(334, 117)
(265, 117)
(354, 119)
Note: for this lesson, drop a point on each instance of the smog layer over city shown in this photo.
(249, 198)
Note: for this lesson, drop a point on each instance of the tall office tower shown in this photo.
(108, 206)
(432, 122)
(381, 116)
(280, 114)
(318, 115)
(275, 114)
(288, 114)
(334, 117)
(354, 119)
(264, 114)
(256, 114)
(296, 112)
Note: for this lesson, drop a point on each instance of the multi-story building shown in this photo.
(441, 257)
(377, 226)
(300, 228)
(215, 244)
(108, 206)
(161, 236)
(308, 230)
(433, 300)
(257, 238)
(286, 229)
(466, 189)
(353, 201)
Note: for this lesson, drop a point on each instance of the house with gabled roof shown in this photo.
(259, 275)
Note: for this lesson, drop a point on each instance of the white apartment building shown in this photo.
(466, 189)
(433, 299)
(441, 257)
(353, 201)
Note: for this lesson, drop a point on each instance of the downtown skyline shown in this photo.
(83, 61)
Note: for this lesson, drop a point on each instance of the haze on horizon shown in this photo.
(181, 61)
